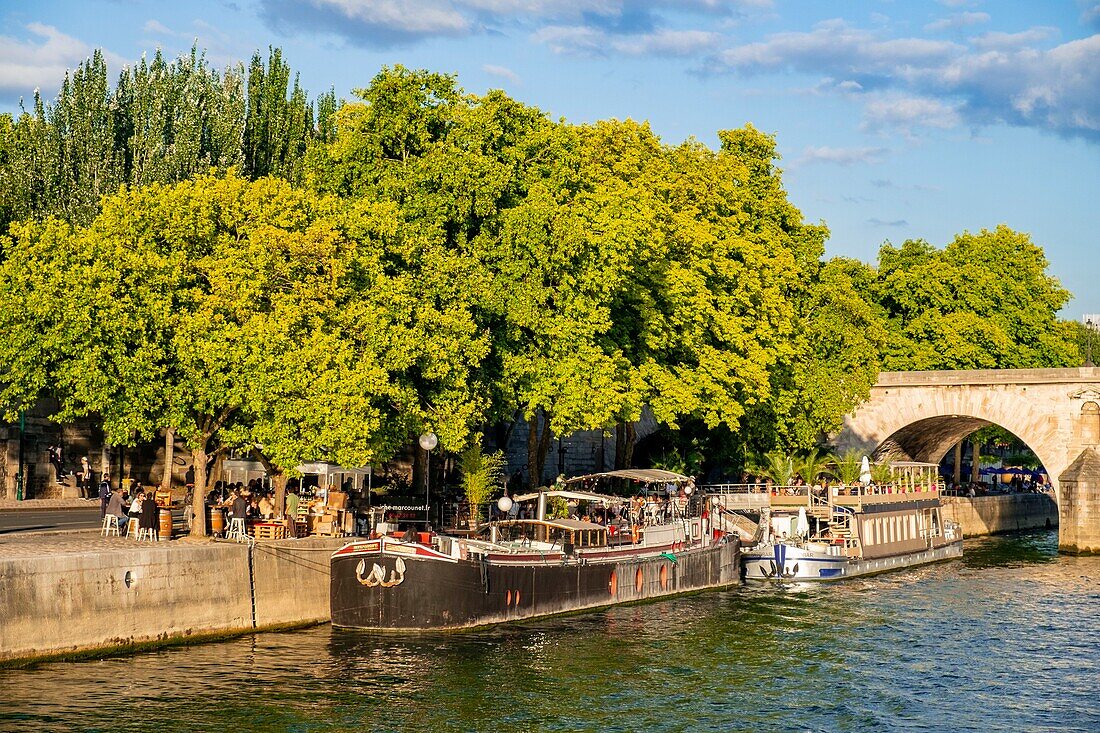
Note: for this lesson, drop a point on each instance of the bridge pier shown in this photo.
(1079, 508)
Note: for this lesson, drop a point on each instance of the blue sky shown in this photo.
(896, 120)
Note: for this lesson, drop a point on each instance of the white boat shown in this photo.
(846, 531)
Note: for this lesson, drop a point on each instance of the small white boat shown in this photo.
(843, 532)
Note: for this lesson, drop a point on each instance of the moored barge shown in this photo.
(843, 532)
(522, 568)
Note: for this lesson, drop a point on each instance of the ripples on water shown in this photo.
(1008, 639)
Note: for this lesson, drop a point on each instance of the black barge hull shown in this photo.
(377, 590)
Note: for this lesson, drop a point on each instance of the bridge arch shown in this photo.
(922, 422)
(1056, 412)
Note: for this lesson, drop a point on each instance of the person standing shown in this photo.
(240, 506)
(57, 462)
(188, 507)
(85, 478)
(104, 494)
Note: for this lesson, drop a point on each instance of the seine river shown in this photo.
(1006, 639)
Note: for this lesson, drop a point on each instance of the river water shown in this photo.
(1007, 638)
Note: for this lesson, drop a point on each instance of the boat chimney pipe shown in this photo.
(542, 507)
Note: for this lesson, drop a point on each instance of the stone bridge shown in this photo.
(919, 416)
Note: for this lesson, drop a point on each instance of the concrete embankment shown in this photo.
(982, 515)
(66, 595)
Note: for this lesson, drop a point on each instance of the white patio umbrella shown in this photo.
(865, 471)
(802, 526)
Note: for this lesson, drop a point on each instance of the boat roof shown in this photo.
(579, 495)
(570, 524)
(645, 475)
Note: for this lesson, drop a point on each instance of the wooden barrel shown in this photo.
(215, 520)
(165, 524)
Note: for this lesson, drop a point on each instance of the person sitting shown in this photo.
(116, 505)
(134, 511)
(267, 507)
(149, 512)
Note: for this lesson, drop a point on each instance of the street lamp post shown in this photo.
(1092, 322)
(428, 441)
(21, 477)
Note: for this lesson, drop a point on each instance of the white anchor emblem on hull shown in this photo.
(377, 574)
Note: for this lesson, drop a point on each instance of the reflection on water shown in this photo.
(1006, 638)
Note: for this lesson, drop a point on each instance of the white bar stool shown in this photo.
(236, 530)
(110, 525)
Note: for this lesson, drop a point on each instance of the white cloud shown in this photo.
(998, 41)
(905, 112)
(394, 22)
(834, 47)
(840, 156)
(40, 61)
(501, 71)
(957, 20)
(155, 26)
(1090, 13)
(406, 16)
(588, 41)
(1000, 79)
(667, 43)
(380, 23)
(575, 39)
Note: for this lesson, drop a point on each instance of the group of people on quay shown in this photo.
(134, 508)
(250, 502)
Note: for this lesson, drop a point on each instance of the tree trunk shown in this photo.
(957, 478)
(502, 431)
(538, 445)
(624, 445)
(278, 480)
(169, 459)
(216, 469)
(198, 499)
(975, 460)
(419, 467)
(105, 460)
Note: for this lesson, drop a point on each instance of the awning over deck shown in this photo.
(644, 475)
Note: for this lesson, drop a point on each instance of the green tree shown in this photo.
(200, 307)
(812, 465)
(776, 465)
(983, 302)
(481, 476)
(847, 466)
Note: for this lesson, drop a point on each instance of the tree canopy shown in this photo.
(213, 252)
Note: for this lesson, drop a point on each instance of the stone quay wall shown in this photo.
(982, 515)
(119, 594)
